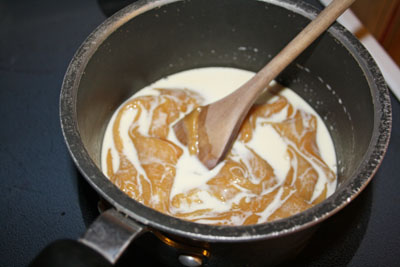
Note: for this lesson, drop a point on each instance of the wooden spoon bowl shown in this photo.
(218, 123)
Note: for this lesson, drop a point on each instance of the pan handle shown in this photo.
(102, 245)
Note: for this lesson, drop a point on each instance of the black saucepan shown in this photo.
(149, 40)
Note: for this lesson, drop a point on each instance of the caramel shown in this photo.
(245, 182)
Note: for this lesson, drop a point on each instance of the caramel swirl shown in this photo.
(245, 182)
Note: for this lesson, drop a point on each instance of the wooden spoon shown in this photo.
(219, 122)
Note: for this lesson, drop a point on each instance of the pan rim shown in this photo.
(212, 233)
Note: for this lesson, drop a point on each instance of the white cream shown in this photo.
(213, 84)
(268, 144)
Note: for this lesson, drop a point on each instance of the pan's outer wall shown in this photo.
(129, 51)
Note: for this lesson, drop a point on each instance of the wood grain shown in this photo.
(382, 20)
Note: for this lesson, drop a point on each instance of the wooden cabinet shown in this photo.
(382, 19)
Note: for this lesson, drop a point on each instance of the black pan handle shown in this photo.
(69, 253)
(102, 245)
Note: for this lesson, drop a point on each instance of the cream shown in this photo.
(212, 84)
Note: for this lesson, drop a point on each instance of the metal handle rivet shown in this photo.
(190, 260)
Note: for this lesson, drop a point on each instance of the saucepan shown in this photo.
(149, 40)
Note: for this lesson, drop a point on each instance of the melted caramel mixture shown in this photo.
(247, 182)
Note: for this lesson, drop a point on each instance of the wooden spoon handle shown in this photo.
(311, 32)
(218, 127)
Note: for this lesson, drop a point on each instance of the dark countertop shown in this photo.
(44, 198)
